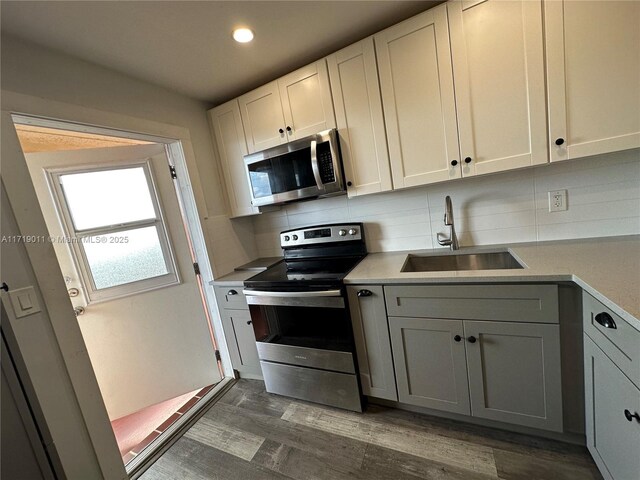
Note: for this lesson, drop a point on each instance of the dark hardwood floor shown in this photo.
(250, 434)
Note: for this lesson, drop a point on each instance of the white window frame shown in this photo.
(76, 246)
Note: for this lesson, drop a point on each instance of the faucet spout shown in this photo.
(452, 241)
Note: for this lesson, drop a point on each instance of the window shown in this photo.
(115, 227)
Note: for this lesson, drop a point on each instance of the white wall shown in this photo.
(603, 199)
(33, 70)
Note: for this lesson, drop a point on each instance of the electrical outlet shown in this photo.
(557, 201)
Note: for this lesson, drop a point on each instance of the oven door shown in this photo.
(307, 328)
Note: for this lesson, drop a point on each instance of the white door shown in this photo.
(498, 66)
(416, 81)
(144, 323)
(356, 96)
(226, 124)
(306, 101)
(593, 77)
(262, 117)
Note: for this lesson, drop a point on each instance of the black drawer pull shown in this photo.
(249, 322)
(629, 416)
(364, 293)
(472, 339)
(457, 338)
(605, 320)
(232, 292)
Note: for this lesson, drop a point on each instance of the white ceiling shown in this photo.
(186, 46)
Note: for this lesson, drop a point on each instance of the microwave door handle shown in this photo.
(314, 165)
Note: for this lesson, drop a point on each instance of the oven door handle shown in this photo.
(313, 293)
(314, 165)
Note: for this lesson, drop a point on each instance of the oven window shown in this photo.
(287, 172)
(310, 327)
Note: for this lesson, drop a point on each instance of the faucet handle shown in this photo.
(443, 241)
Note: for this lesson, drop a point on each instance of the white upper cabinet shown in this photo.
(306, 101)
(292, 107)
(226, 125)
(356, 96)
(416, 80)
(593, 76)
(498, 66)
(262, 116)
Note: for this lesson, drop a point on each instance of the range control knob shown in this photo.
(352, 231)
(342, 233)
(295, 237)
(287, 238)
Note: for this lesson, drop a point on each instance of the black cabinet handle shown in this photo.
(457, 338)
(454, 162)
(288, 129)
(249, 322)
(232, 292)
(467, 160)
(472, 339)
(4, 287)
(364, 293)
(280, 131)
(349, 184)
(629, 416)
(559, 141)
(606, 321)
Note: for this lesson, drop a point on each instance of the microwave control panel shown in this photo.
(325, 163)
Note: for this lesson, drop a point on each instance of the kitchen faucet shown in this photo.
(452, 241)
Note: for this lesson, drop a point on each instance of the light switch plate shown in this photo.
(24, 302)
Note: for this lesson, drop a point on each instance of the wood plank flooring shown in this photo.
(250, 434)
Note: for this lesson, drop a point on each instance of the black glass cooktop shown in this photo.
(321, 272)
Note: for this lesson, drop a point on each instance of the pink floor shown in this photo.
(137, 430)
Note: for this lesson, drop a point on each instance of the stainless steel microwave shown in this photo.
(309, 167)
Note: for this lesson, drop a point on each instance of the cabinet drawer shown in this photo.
(231, 298)
(621, 344)
(512, 303)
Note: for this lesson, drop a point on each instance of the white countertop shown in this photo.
(608, 268)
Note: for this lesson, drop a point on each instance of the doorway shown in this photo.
(118, 228)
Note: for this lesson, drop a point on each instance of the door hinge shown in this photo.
(218, 357)
(172, 170)
(196, 268)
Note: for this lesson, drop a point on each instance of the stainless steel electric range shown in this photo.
(301, 318)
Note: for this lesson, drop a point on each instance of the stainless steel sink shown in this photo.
(461, 261)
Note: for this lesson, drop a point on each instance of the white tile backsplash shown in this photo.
(511, 207)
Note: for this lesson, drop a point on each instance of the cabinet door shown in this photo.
(373, 345)
(356, 96)
(498, 66)
(229, 134)
(430, 363)
(612, 440)
(306, 101)
(262, 117)
(593, 76)
(241, 341)
(416, 81)
(514, 373)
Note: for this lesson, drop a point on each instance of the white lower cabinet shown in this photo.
(612, 404)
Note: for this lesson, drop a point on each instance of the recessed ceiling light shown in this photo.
(242, 35)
